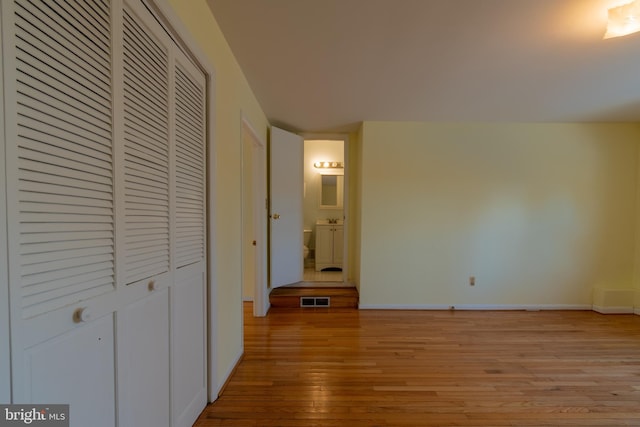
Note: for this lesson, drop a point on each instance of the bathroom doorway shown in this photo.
(324, 212)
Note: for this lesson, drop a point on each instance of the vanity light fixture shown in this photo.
(623, 20)
(328, 165)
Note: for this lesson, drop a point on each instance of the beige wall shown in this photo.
(540, 214)
(233, 97)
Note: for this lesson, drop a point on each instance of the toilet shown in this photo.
(307, 238)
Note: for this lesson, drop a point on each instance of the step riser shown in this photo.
(314, 298)
(295, 302)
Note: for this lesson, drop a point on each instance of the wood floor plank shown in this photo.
(345, 367)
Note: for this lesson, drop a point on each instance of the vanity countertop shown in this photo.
(326, 222)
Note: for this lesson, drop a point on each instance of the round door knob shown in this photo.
(82, 314)
(276, 216)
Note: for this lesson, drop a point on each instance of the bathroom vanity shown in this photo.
(329, 244)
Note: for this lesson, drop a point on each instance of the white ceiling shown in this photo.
(325, 65)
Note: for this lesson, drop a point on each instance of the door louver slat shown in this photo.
(73, 55)
(38, 96)
(65, 178)
(143, 148)
(70, 275)
(36, 165)
(65, 144)
(61, 83)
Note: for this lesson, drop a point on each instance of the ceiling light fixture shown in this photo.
(623, 20)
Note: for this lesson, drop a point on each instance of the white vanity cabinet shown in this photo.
(329, 245)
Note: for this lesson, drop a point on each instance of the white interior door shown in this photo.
(189, 292)
(286, 182)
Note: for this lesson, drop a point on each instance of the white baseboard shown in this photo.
(247, 299)
(402, 307)
(488, 307)
(637, 311)
(224, 378)
(614, 310)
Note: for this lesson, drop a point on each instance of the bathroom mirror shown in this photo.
(331, 191)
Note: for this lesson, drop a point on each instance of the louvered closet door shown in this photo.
(144, 224)
(105, 157)
(189, 290)
(65, 176)
(61, 202)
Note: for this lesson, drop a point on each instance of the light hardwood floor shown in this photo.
(341, 367)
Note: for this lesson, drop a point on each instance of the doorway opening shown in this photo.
(324, 211)
(254, 219)
(315, 176)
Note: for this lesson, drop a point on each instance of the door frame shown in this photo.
(344, 137)
(260, 212)
(255, 180)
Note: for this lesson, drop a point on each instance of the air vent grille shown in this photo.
(315, 301)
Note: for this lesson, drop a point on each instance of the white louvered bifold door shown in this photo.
(144, 222)
(105, 137)
(61, 197)
(189, 290)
